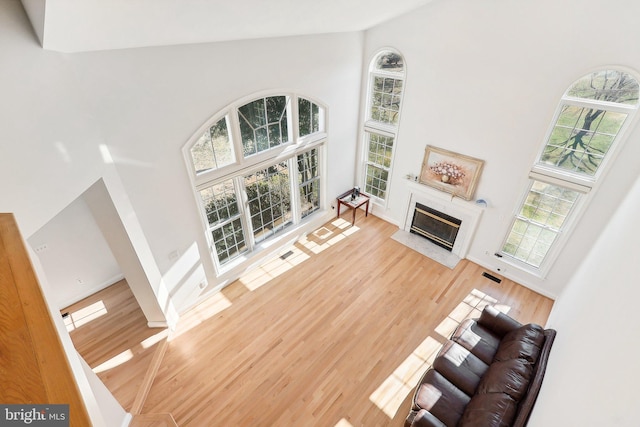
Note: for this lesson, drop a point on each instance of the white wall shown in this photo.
(67, 119)
(74, 255)
(484, 79)
(592, 370)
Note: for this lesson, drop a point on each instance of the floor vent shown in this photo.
(286, 255)
(490, 277)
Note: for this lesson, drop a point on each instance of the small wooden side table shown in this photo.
(346, 200)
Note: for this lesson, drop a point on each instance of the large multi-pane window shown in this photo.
(588, 124)
(248, 199)
(384, 99)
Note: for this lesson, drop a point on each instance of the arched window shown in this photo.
(257, 175)
(384, 101)
(589, 122)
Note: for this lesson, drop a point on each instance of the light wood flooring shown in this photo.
(335, 332)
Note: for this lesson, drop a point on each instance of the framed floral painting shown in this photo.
(450, 172)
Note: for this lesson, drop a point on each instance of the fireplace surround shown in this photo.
(468, 213)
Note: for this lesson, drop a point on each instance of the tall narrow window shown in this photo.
(590, 119)
(384, 101)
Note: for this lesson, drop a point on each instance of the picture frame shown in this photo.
(450, 172)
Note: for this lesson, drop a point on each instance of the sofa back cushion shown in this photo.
(522, 343)
(477, 339)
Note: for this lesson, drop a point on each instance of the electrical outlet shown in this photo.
(41, 248)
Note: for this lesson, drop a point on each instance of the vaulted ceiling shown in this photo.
(87, 25)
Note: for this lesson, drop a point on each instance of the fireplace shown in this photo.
(464, 213)
(436, 226)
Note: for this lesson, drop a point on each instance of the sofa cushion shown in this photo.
(522, 343)
(511, 377)
(477, 339)
(442, 399)
(489, 410)
(460, 366)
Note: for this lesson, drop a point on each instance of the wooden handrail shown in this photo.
(33, 365)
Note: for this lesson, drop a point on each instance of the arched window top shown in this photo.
(613, 86)
(253, 129)
(389, 61)
(592, 115)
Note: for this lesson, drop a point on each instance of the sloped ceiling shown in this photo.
(88, 25)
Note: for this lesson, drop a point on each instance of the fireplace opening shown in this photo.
(436, 226)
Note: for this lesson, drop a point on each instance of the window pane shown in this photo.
(390, 61)
(228, 241)
(308, 117)
(213, 149)
(385, 100)
(221, 207)
(539, 223)
(263, 124)
(220, 202)
(309, 182)
(608, 85)
(581, 138)
(269, 200)
(376, 181)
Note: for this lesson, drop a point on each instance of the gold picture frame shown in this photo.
(450, 172)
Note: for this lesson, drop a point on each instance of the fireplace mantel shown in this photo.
(468, 212)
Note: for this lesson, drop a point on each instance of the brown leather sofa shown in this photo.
(488, 374)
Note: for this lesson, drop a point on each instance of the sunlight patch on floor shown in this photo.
(117, 360)
(395, 389)
(213, 305)
(154, 339)
(343, 423)
(85, 315)
(285, 261)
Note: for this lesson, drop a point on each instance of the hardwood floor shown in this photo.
(335, 332)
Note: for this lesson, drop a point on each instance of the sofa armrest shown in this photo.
(526, 405)
(497, 322)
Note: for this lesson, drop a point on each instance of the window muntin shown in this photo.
(220, 203)
(309, 182)
(539, 222)
(213, 149)
(384, 101)
(581, 138)
(263, 124)
(269, 200)
(591, 117)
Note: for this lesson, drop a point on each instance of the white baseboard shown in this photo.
(90, 291)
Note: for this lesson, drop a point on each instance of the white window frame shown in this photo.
(384, 129)
(244, 166)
